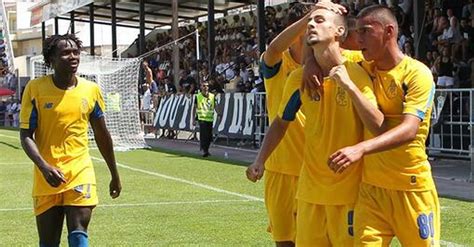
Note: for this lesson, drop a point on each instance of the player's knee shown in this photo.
(78, 238)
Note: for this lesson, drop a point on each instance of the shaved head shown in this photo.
(380, 14)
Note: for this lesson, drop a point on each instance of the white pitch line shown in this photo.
(250, 198)
(205, 186)
(11, 137)
(143, 204)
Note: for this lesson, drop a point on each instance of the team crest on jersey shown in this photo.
(84, 105)
(341, 96)
(392, 90)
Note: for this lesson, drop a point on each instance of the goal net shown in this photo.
(118, 81)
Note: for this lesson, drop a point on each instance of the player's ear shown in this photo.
(391, 31)
(340, 31)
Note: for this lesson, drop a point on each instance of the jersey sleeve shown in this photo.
(269, 71)
(291, 98)
(419, 93)
(99, 105)
(28, 112)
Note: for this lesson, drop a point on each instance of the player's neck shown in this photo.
(391, 58)
(328, 56)
(64, 81)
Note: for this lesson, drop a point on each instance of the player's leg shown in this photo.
(49, 219)
(311, 225)
(50, 225)
(372, 216)
(417, 215)
(280, 192)
(78, 218)
(340, 221)
(78, 205)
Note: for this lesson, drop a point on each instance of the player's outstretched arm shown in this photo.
(405, 132)
(273, 137)
(53, 176)
(283, 41)
(105, 145)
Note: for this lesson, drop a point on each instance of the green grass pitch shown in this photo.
(168, 199)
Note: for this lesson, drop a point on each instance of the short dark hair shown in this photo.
(50, 45)
(382, 13)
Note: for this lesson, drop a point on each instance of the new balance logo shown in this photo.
(48, 105)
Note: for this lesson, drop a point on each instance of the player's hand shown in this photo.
(115, 187)
(340, 75)
(312, 81)
(53, 176)
(255, 172)
(345, 157)
(334, 7)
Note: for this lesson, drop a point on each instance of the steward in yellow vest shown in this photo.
(205, 105)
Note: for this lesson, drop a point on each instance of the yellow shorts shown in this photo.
(280, 193)
(324, 225)
(381, 214)
(81, 195)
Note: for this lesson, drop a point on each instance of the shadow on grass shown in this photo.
(9, 145)
(180, 154)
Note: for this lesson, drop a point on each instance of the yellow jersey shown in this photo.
(353, 55)
(408, 88)
(59, 119)
(287, 158)
(331, 124)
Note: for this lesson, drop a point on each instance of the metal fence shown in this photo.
(451, 133)
(260, 118)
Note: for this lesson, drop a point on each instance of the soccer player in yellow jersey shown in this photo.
(349, 48)
(397, 196)
(326, 200)
(56, 110)
(282, 168)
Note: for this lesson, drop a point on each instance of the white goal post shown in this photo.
(118, 79)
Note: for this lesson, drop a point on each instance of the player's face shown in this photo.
(321, 27)
(67, 57)
(371, 38)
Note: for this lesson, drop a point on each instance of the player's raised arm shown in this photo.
(283, 41)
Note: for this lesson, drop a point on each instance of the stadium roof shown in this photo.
(157, 12)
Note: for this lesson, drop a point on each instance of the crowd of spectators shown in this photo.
(450, 42)
(447, 37)
(236, 55)
(10, 112)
